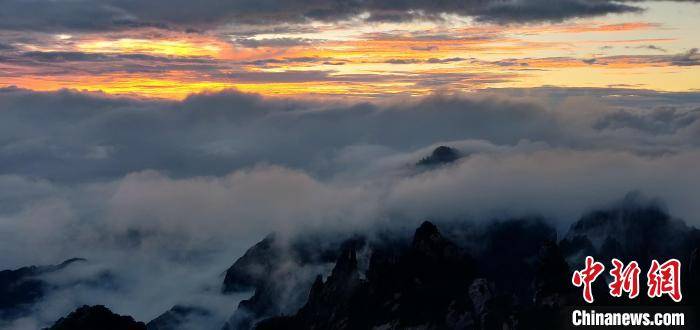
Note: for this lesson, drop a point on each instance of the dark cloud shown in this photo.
(268, 61)
(424, 48)
(690, 58)
(136, 140)
(75, 56)
(510, 62)
(403, 61)
(68, 136)
(65, 56)
(656, 121)
(616, 97)
(649, 47)
(83, 15)
(57, 63)
(549, 10)
(278, 77)
(4, 46)
(73, 62)
(104, 15)
(273, 42)
(445, 60)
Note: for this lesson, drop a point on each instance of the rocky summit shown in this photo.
(440, 156)
(509, 274)
(96, 317)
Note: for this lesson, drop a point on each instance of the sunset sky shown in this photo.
(361, 49)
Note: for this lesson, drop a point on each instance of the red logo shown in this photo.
(665, 279)
(662, 279)
(587, 276)
(625, 279)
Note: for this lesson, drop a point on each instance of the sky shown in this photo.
(365, 49)
(160, 139)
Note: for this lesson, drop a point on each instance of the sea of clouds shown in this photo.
(162, 196)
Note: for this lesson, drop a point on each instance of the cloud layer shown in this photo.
(107, 15)
(154, 191)
(121, 14)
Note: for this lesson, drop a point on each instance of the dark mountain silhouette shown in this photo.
(96, 317)
(441, 155)
(633, 230)
(414, 287)
(507, 274)
(275, 271)
(20, 288)
(510, 274)
(268, 256)
(251, 269)
(179, 317)
(504, 247)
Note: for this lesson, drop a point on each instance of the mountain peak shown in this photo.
(426, 233)
(427, 228)
(257, 261)
(429, 243)
(346, 263)
(440, 155)
(96, 317)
